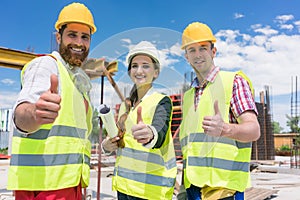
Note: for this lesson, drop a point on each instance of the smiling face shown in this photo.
(74, 43)
(143, 70)
(200, 56)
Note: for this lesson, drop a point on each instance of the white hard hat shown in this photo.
(145, 48)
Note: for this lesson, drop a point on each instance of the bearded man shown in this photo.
(53, 116)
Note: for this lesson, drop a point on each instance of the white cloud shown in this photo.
(297, 23)
(287, 26)
(283, 18)
(282, 22)
(165, 59)
(176, 50)
(238, 15)
(267, 30)
(7, 81)
(255, 26)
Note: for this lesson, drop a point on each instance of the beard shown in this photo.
(73, 58)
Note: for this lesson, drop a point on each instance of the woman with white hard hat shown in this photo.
(145, 166)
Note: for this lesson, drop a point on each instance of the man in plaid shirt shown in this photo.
(219, 123)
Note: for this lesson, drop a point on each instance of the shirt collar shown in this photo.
(211, 76)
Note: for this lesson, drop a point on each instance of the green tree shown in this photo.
(276, 127)
(96, 128)
(293, 123)
(297, 140)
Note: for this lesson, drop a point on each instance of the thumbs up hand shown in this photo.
(139, 118)
(141, 132)
(213, 125)
(53, 84)
(48, 104)
(110, 144)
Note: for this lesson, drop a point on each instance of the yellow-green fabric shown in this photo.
(57, 155)
(141, 172)
(213, 161)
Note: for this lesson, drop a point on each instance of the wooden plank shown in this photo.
(259, 193)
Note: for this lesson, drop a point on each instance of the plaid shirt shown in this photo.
(241, 100)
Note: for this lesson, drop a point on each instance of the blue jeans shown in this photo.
(194, 193)
(122, 196)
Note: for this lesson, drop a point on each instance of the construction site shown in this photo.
(273, 176)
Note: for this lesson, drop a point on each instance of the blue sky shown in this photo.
(260, 37)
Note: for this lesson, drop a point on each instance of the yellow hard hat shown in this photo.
(197, 32)
(75, 12)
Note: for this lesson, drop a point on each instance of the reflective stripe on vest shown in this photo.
(212, 161)
(145, 178)
(48, 160)
(55, 131)
(147, 157)
(57, 155)
(141, 172)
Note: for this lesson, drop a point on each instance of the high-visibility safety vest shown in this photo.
(57, 155)
(141, 172)
(213, 161)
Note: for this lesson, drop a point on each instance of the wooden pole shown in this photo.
(113, 83)
(100, 141)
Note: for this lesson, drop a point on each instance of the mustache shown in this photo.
(73, 58)
(75, 46)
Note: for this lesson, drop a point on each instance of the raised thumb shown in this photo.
(139, 115)
(54, 83)
(216, 107)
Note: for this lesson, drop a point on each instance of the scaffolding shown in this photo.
(263, 148)
(295, 107)
(295, 150)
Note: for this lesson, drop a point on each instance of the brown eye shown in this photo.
(146, 66)
(201, 49)
(86, 37)
(134, 66)
(191, 50)
(72, 35)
